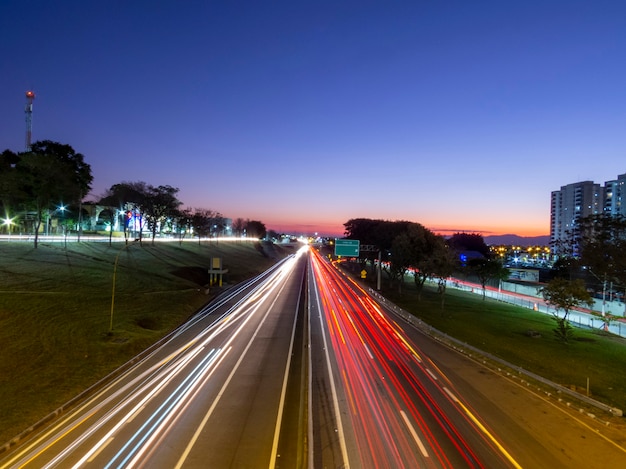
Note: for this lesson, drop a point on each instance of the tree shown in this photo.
(184, 222)
(378, 233)
(79, 177)
(255, 229)
(565, 267)
(424, 246)
(567, 246)
(443, 265)
(128, 197)
(218, 226)
(239, 225)
(50, 174)
(203, 221)
(607, 318)
(468, 242)
(487, 269)
(414, 247)
(110, 215)
(8, 182)
(565, 295)
(603, 248)
(400, 259)
(159, 204)
(79, 171)
(8, 160)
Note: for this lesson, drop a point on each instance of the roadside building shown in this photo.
(579, 200)
(568, 205)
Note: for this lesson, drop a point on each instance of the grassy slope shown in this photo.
(55, 310)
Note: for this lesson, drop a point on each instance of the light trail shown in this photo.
(154, 399)
(192, 442)
(402, 415)
(333, 386)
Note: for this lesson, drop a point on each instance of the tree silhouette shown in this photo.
(565, 295)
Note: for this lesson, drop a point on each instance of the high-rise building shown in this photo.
(569, 205)
(582, 199)
(615, 196)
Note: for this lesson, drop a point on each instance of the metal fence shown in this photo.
(576, 318)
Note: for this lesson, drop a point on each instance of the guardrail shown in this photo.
(466, 349)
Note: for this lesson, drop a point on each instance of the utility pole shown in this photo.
(378, 285)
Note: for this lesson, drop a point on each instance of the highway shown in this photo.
(300, 367)
(406, 400)
(210, 396)
(394, 408)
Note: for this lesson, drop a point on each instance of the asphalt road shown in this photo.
(539, 430)
(470, 415)
(210, 396)
(393, 408)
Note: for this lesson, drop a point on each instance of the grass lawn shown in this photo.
(502, 330)
(55, 312)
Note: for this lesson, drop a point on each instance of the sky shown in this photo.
(459, 115)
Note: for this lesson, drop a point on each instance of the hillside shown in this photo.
(60, 329)
(512, 239)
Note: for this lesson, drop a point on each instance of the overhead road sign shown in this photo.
(347, 247)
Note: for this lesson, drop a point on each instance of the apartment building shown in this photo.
(615, 196)
(581, 199)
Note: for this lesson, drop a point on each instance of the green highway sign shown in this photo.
(347, 247)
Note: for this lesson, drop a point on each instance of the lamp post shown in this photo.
(8, 222)
(50, 215)
(113, 288)
(603, 297)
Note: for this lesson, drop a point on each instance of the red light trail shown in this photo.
(402, 410)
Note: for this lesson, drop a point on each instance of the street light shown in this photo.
(8, 222)
(58, 209)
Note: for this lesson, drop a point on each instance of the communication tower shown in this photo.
(30, 96)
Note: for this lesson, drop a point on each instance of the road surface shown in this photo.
(211, 396)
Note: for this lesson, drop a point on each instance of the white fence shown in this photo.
(527, 300)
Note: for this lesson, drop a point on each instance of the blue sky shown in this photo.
(462, 116)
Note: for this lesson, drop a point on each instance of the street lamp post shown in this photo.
(113, 288)
(606, 327)
(50, 215)
(8, 222)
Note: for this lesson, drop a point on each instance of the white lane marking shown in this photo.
(449, 393)
(414, 434)
(100, 450)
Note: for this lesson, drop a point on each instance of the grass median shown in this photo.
(56, 314)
